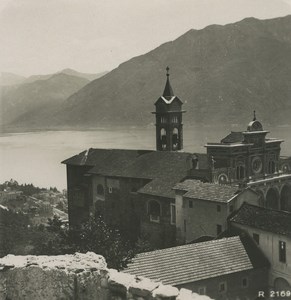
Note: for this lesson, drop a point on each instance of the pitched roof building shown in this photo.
(216, 268)
(278, 222)
(134, 187)
(271, 230)
(202, 208)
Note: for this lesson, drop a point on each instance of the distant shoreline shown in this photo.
(232, 127)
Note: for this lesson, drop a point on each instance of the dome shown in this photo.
(255, 126)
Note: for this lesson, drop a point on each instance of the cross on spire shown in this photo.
(168, 91)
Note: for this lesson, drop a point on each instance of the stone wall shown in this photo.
(78, 277)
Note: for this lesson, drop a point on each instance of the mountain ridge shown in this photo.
(221, 72)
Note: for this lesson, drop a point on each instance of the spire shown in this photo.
(255, 118)
(168, 91)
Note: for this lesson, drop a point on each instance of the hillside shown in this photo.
(222, 73)
(7, 79)
(28, 102)
(89, 76)
(71, 72)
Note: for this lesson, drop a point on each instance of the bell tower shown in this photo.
(169, 127)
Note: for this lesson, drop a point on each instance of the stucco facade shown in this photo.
(206, 217)
(269, 243)
(240, 285)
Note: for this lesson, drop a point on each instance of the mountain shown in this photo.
(26, 104)
(88, 76)
(7, 79)
(67, 71)
(222, 73)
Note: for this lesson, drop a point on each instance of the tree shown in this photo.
(95, 236)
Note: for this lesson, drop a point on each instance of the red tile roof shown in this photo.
(193, 262)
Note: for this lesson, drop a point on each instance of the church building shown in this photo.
(250, 159)
(134, 189)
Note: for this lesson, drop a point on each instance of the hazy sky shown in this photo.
(45, 36)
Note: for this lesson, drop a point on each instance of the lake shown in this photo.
(35, 157)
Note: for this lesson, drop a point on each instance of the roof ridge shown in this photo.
(264, 208)
(190, 245)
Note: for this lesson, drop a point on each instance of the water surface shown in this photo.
(35, 157)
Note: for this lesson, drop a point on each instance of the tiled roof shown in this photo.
(193, 262)
(263, 218)
(103, 157)
(233, 137)
(162, 186)
(163, 168)
(151, 164)
(255, 253)
(196, 189)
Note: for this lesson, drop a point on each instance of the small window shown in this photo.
(154, 210)
(202, 290)
(282, 251)
(218, 229)
(245, 282)
(190, 204)
(272, 167)
(185, 226)
(110, 189)
(218, 208)
(222, 287)
(256, 237)
(173, 214)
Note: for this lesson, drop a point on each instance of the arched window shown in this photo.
(175, 139)
(100, 190)
(272, 199)
(164, 138)
(154, 210)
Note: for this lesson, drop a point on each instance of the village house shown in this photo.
(202, 208)
(271, 230)
(228, 268)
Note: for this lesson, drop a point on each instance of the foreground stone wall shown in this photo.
(78, 277)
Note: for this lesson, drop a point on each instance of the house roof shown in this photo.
(192, 262)
(103, 157)
(163, 168)
(263, 218)
(162, 187)
(233, 137)
(196, 189)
